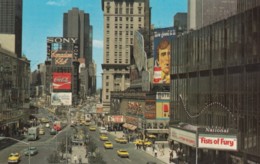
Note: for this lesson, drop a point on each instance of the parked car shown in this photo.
(122, 153)
(14, 158)
(32, 151)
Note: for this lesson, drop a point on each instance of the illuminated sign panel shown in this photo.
(185, 137)
(162, 54)
(217, 142)
(61, 81)
(61, 98)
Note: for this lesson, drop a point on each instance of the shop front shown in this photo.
(203, 144)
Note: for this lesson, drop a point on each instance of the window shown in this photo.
(107, 77)
(120, 18)
(131, 11)
(107, 83)
(107, 25)
(107, 90)
(115, 19)
(116, 10)
(140, 19)
(107, 97)
(139, 10)
(108, 18)
(126, 18)
(126, 26)
(116, 26)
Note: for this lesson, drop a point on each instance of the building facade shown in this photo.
(205, 12)
(215, 91)
(76, 23)
(121, 19)
(11, 26)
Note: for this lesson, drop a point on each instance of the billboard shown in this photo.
(61, 81)
(61, 58)
(182, 136)
(61, 98)
(64, 43)
(163, 105)
(150, 109)
(162, 54)
(217, 142)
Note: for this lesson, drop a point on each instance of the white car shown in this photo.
(103, 130)
(47, 125)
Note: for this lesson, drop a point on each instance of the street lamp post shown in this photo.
(27, 143)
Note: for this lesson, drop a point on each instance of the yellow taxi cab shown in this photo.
(151, 136)
(141, 142)
(14, 158)
(121, 140)
(122, 153)
(92, 128)
(44, 120)
(103, 137)
(41, 131)
(108, 145)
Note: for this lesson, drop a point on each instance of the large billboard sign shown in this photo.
(62, 40)
(61, 58)
(150, 109)
(162, 54)
(61, 81)
(63, 43)
(163, 105)
(218, 138)
(61, 98)
(217, 142)
(185, 137)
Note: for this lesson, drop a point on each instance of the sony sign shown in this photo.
(62, 40)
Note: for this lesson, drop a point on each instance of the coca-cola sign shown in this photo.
(61, 81)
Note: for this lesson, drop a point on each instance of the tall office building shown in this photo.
(205, 12)
(76, 23)
(121, 19)
(243, 5)
(11, 26)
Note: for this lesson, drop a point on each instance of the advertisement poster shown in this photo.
(61, 98)
(61, 58)
(163, 105)
(162, 54)
(61, 81)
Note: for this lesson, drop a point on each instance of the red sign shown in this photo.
(61, 81)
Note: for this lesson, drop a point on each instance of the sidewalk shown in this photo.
(77, 152)
(149, 150)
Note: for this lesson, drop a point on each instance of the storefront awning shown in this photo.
(129, 126)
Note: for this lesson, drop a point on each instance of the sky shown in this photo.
(44, 18)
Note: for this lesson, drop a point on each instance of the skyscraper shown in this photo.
(121, 19)
(76, 23)
(11, 26)
(205, 12)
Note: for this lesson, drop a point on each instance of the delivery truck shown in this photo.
(33, 133)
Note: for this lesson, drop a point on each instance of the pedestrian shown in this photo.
(171, 154)
(80, 160)
(153, 147)
(75, 158)
(155, 153)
